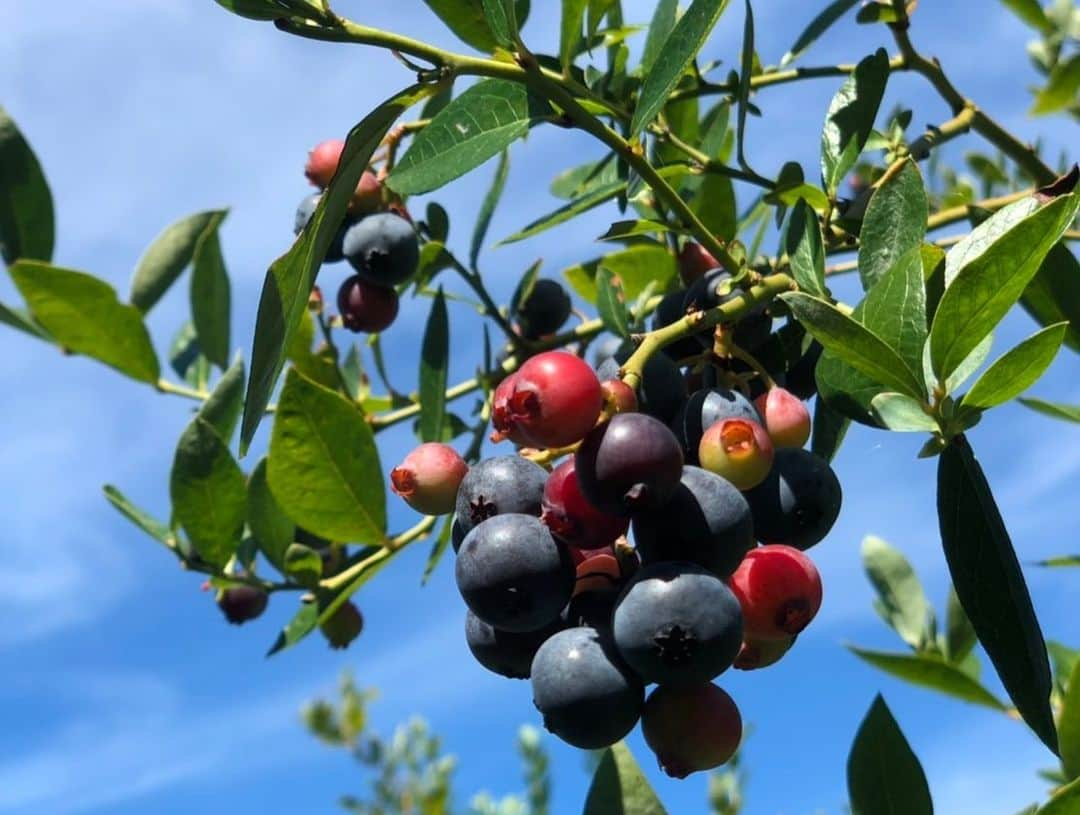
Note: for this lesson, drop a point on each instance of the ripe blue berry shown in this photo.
(497, 486)
(304, 211)
(506, 653)
(383, 248)
(798, 502)
(544, 309)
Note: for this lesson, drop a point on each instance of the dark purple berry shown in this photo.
(343, 626)
(505, 652)
(498, 486)
(242, 603)
(366, 306)
(798, 502)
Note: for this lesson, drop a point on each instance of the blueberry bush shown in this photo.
(632, 480)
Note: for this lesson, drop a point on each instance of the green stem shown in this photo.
(389, 547)
(165, 386)
(324, 328)
(711, 165)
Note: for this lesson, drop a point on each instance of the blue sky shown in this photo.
(124, 691)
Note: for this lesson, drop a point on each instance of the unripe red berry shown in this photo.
(779, 589)
(323, 161)
(500, 414)
(694, 261)
(571, 517)
(242, 603)
(785, 417)
(691, 728)
(756, 654)
(343, 626)
(618, 396)
(554, 400)
(429, 477)
(368, 196)
(737, 449)
(366, 306)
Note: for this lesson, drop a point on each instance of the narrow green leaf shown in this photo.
(678, 51)
(324, 467)
(487, 207)
(883, 774)
(960, 636)
(27, 228)
(663, 21)
(151, 526)
(620, 230)
(1070, 413)
(1031, 13)
(746, 70)
(434, 362)
(829, 430)
(1069, 727)
(991, 586)
(290, 278)
(894, 223)
(806, 250)
(577, 181)
(501, 20)
(84, 315)
(167, 257)
(222, 409)
(210, 295)
(302, 624)
(906, 608)
(269, 9)
(1017, 370)
(1061, 89)
(876, 11)
(466, 19)
(269, 524)
(620, 788)
(352, 369)
(524, 288)
(851, 118)
(590, 200)
(991, 281)
(475, 126)
(20, 320)
(969, 366)
(185, 357)
(610, 303)
(714, 204)
(209, 493)
(1064, 801)
(573, 12)
(854, 344)
(1061, 560)
(790, 196)
(902, 414)
(818, 26)
(1053, 295)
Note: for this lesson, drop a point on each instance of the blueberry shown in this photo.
(457, 534)
(678, 624)
(504, 652)
(670, 310)
(513, 574)
(544, 310)
(798, 502)
(592, 609)
(497, 486)
(336, 252)
(752, 329)
(801, 377)
(705, 408)
(663, 388)
(585, 693)
(382, 248)
(707, 521)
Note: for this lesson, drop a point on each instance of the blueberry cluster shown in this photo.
(720, 501)
(376, 238)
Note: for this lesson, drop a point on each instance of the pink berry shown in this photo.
(368, 197)
(691, 728)
(429, 477)
(554, 401)
(618, 396)
(323, 161)
(785, 417)
(571, 517)
(737, 449)
(779, 590)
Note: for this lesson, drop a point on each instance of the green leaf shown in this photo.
(590, 200)
(960, 636)
(906, 608)
(610, 303)
(746, 70)
(303, 623)
(895, 223)
(1031, 13)
(573, 11)
(434, 361)
(27, 228)
(851, 118)
(269, 524)
(209, 493)
(151, 526)
(970, 365)
(883, 774)
(85, 317)
(20, 320)
(1017, 370)
(1064, 801)
(1053, 295)
(620, 788)
(222, 409)
(1060, 560)
(475, 126)
(269, 9)
(901, 413)
(674, 56)
(303, 564)
(818, 26)
(620, 230)
(806, 250)
(876, 11)
(1070, 413)
(167, 257)
(663, 21)
(210, 295)
(324, 467)
(714, 204)
(487, 208)
(1069, 726)
(502, 20)
(990, 281)
(289, 280)
(577, 181)
(829, 430)
(466, 19)
(854, 344)
(991, 586)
